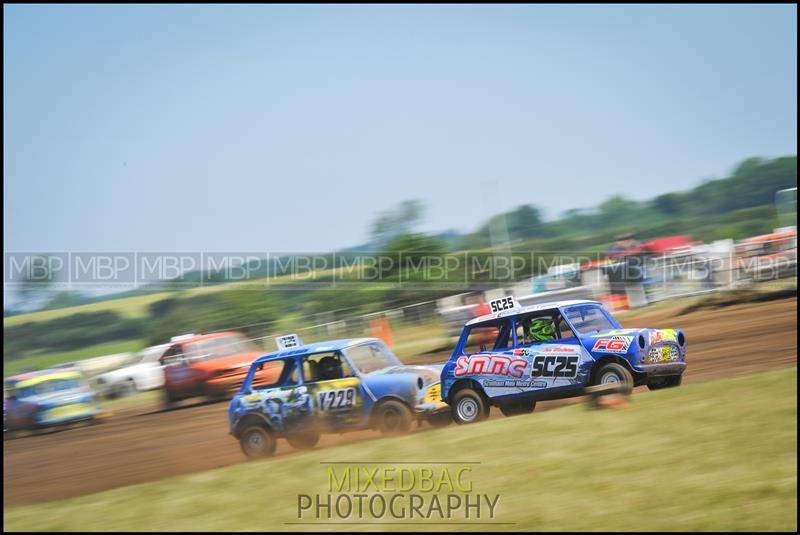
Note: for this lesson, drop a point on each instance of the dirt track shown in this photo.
(145, 444)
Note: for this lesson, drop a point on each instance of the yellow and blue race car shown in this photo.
(301, 391)
(47, 398)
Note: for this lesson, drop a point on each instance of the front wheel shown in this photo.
(127, 388)
(469, 407)
(392, 417)
(666, 382)
(257, 442)
(616, 374)
(516, 408)
(170, 400)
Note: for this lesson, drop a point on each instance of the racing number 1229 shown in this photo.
(342, 398)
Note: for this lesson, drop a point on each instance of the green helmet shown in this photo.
(542, 330)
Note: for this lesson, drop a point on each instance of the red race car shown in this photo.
(209, 365)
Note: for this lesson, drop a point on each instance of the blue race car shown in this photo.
(301, 391)
(47, 398)
(516, 356)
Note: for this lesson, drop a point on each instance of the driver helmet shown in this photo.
(542, 330)
(330, 368)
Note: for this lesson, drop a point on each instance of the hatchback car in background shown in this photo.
(47, 398)
(208, 365)
(146, 373)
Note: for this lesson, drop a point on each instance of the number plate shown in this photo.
(336, 400)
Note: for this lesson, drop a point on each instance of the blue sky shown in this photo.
(290, 128)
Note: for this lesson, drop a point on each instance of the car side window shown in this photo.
(172, 355)
(488, 336)
(536, 327)
(325, 367)
(282, 372)
(564, 330)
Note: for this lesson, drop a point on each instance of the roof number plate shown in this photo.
(504, 303)
(288, 341)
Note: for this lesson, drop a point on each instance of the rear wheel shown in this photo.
(518, 407)
(303, 441)
(170, 400)
(392, 417)
(128, 388)
(257, 442)
(469, 407)
(616, 374)
(665, 382)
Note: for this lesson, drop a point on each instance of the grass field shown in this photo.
(129, 307)
(708, 456)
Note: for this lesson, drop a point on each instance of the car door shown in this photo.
(553, 363)
(178, 376)
(336, 394)
(276, 391)
(488, 357)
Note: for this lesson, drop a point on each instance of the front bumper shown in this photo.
(429, 409)
(66, 414)
(662, 369)
(432, 402)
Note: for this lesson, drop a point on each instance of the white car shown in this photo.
(147, 373)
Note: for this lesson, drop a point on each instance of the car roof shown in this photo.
(531, 308)
(316, 347)
(30, 378)
(202, 337)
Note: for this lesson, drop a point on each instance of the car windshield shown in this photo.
(589, 318)
(223, 346)
(151, 354)
(372, 357)
(48, 387)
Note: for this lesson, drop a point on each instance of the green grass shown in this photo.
(129, 307)
(43, 361)
(710, 456)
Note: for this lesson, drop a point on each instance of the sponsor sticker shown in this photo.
(613, 344)
(503, 365)
(663, 354)
(663, 335)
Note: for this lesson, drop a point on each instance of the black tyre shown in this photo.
(257, 442)
(441, 419)
(518, 407)
(469, 407)
(303, 441)
(169, 400)
(666, 382)
(127, 388)
(613, 373)
(392, 417)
